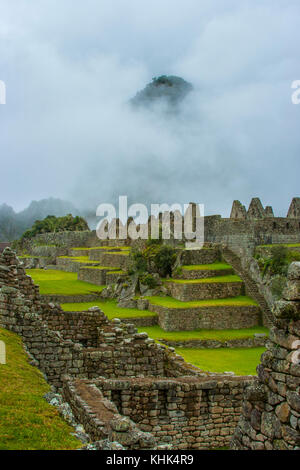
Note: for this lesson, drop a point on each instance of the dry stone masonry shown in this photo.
(271, 410)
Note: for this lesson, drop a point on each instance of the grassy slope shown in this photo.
(174, 303)
(61, 283)
(158, 333)
(109, 307)
(27, 421)
(241, 361)
(206, 267)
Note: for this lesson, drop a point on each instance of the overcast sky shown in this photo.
(71, 66)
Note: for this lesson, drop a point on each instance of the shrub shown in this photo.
(139, 262)
(164, 260)
(278, 261)
(149, 281)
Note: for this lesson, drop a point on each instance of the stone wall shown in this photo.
(254, 342)
(188, 412)
(271, 407)
(81, 344)
(187, 292)
(217, 318)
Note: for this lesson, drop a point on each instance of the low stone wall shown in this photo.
(68, 239)
(71, 299)
(202, 274)
(113, 260)
(101, 419)
(212, 318)
(48, 251)
(94, 276)
(142, 321)
(72, 265)
(188, 413)
(113, 277)
(203, 256)
(213, 344)
(271, 407)
(204, 291)
(80, 327)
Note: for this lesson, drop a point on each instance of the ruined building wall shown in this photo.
(188, 412)
(271, 410)
(81, 344)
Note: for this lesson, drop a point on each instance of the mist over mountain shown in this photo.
(168, 90)
(13, 224)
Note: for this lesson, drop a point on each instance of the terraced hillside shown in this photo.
(205, 313)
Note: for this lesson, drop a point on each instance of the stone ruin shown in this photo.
(124, 387)
(120, 384)
(294, 210)
(271, 409)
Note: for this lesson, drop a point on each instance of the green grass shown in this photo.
(241, 361)
(170, 302)
(108, 268)
(53, 282)
(109, 307)
(289, 245)
(208, 280)
(78, 259)
(158, 333)
(206, 267)
(27, 421)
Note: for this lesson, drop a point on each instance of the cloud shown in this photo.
(66, 130)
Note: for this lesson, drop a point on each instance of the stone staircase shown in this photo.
(251, 286)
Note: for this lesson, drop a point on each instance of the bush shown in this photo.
(278, 262)
(139, 263)
(164, 260)
(149, 280)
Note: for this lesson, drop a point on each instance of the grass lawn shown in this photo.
(158, 333)
(109, 307)
(209, 280)
(206, 267)
(241, 361)
(61, 283)
(78, 259)
(170, 302)
(27, 421)
(288, 245)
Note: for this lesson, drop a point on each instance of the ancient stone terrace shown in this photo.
(88, 357)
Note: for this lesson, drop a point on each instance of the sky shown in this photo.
(70, 68)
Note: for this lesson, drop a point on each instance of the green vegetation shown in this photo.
(288, 245)
(207, 267)
(174, 303)
(277, 262)
(155, 258)
(241, 361)
(78, 259)
(110, 308)
(53, 282)
(208, 280)
(56, 224)
(27, 421)
(158, 333)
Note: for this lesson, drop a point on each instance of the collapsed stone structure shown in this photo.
(121, 385)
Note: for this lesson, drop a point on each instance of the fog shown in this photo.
(71, 67)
